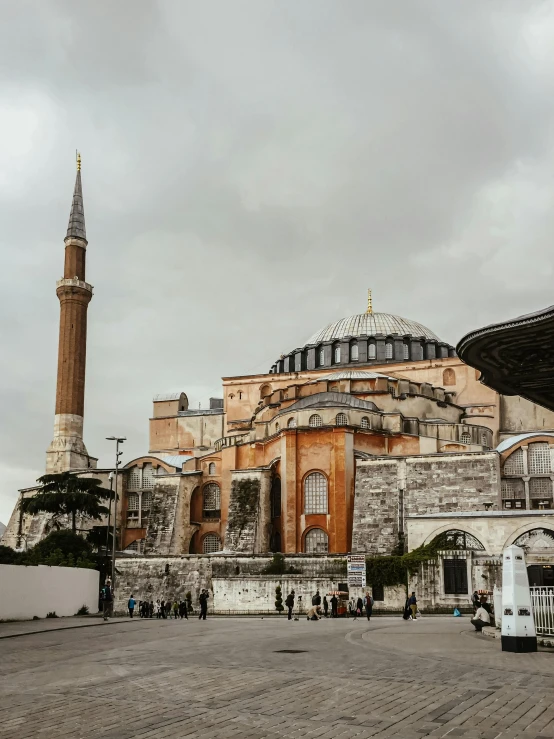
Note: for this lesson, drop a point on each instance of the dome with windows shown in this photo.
(365, 338)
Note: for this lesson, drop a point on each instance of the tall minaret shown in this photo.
(67, 450)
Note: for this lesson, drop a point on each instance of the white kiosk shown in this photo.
(518, 624)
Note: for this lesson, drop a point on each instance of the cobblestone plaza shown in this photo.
(272, 678)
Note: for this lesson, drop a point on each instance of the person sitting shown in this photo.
(481, 618)
(314, 613)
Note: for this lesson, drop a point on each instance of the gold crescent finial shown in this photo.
(78, 161)
(369, 302)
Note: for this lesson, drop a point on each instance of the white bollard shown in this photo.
(518, 624)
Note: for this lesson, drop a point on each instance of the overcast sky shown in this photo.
(249, 169)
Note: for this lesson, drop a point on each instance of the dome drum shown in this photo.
(356, 350)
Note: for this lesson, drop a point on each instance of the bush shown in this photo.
(51, 614)
(36, 618)
(9, 556)
(279, 599)
(83, 611)
(277, 566)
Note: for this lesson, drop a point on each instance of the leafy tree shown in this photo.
(62, 548)
(8, 556)
(67, 494)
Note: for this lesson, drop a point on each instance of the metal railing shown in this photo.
(542, 599)
(231, 441)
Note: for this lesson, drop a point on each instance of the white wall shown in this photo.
(34, 591)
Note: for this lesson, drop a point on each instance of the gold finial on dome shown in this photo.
(369, 302)
(77, 154)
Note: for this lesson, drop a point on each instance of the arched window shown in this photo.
(147, 476)
(354, 353)
(277, 426)
(337, 354)
(316, 542)
(275, 497)
(341, 419)
(449, 376)
(211, 501)
(315, 493)
(211, 468)
(514, 464)
(322, 357)
(146, 502)
(465, 438)
(539, 458)
(264, 391)
(484, 440)
(135, 479)
(388, 350)
(406, 351)
(291, 423)
(211, 543)
(456, 539)
(365, 423)
(315, 420)
(371, 351)
(536, 540)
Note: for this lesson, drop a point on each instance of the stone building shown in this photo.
(366, 438)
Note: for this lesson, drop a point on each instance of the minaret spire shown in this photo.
(369, 303)
(76, 228)
(67, 450)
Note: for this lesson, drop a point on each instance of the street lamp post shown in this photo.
(118, 440)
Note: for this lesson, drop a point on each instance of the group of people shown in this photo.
(162, 608)
(171, 608)
(320, 606)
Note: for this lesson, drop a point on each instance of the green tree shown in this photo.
(68, 494)
(279, 599)
(63, 548)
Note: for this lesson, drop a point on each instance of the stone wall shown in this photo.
(388, 490)
(249, 516)
(236, 583)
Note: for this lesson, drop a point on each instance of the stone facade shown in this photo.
(388, 490)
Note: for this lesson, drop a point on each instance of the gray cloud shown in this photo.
(249, 169)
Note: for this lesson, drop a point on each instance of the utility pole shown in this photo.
(118, 440)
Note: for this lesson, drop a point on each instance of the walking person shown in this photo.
(289, 602)
(131, 605)
(158, 609)
(325, 606)
(334, 606)
(204, 595)
(316, 599)
(368, 605)
(358, 610)
(412, 602)
(183, 610)
(151, 610)
(106, 596)
(175, 609)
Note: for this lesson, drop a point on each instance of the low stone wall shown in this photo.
(237, 583)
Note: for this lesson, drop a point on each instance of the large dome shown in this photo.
(371, 324)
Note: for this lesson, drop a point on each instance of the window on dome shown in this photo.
(276, 427)
(372, 351)
(291, 423)
(540, 487)
(514, 463)
(406, 351)
(388, 350)
(146, 501)
(465, 438)
(315, 420)
(354, 353)
(449, 376)
(322, 357)
(132, 502)
(365, 423)
(341, 419)
(337, 354)
(211, 468)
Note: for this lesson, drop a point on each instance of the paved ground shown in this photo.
(229, 678)
(9, 629)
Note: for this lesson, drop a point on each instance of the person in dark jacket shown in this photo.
(334, 606)
(183, 609)
(106, 597)
(316, 600)
(368, 605)
(289, 602)
(204, 595)
(412, 602)
(325, 606)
